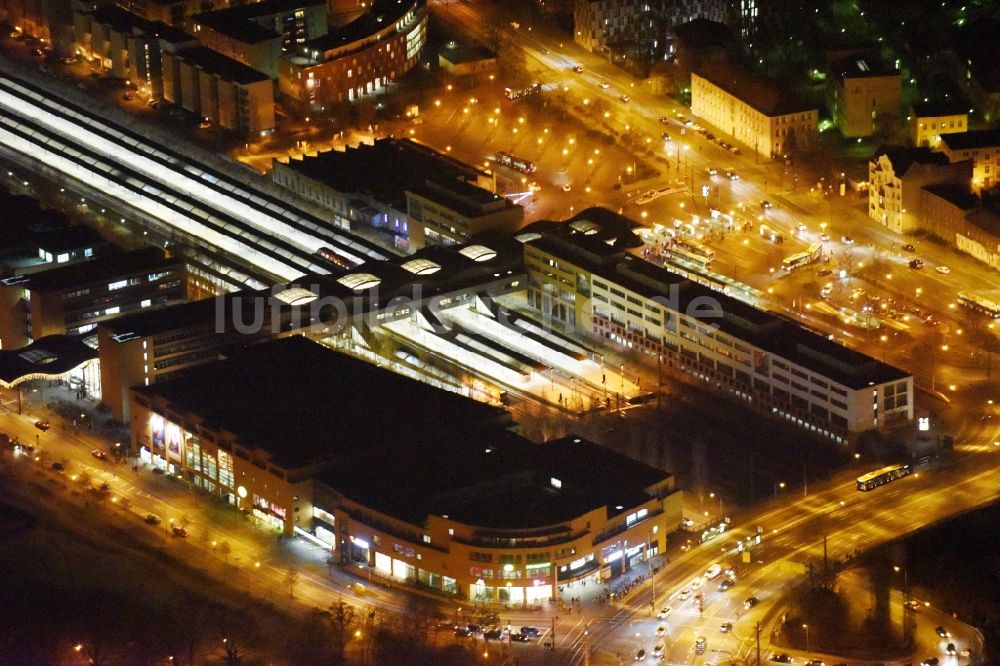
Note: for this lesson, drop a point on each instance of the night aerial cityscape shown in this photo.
(467, 332)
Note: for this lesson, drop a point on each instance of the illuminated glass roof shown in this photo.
(528, 237)
(359, 281)
(296, 296)
(478, 252)
(585, 227)
(421, 266)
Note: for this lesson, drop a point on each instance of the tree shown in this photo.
(225, 549)
(495, 35)
(343, 623)
(237, 627)
(291, 579)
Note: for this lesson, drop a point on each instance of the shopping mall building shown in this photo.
(408, 481)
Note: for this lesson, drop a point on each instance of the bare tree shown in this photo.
(225, 549)
(343, 624)
(291, 579)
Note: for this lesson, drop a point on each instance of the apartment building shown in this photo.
(955, 215)
(74, 298)
(50, 21)
(866, 95)
(982, 147)
(895, 178)
(754, 112)
(601, 25)
(228, 93)
(928, 122)
(128, 46)
(421, 197)
(355, 59)
(257, 34)
(581, 277)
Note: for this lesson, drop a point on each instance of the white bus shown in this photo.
(799, 259)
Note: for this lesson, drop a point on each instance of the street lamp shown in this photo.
(806, 627)
(722, 512)
(781, 485)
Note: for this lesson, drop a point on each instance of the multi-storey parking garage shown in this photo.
(215, 211)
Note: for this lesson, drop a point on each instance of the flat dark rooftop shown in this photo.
(401, 164)
(957, 195)
(243, 30)
(68, 238)
(974, 139)
(502, 482)
(153, 321)
(120, 19)
(461, 53)
(106, 268)
(216, 63)
(306, 404)
(861, 67)
(382, 13)
(762, 95)
(935, 109)
(52, 355)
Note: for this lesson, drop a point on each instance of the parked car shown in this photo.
(660, 630)
(750, 602)
(100, 455)
(520, 638)
(58, 467)
(180, 531)
(942, 632)
(951, 649)
(909, 248)
(152, 519)
(815, 662)
(943, 270)
(766, 205)
(605, 85)
(664, 120)
(578, 69)
(726, 584)
(640, 654)
(929, 661)
(781, 658)
(43, 425)
(916, 264)
(530, 631)
(726, 627)
(625, 98)
(847, 240)
(732, 175)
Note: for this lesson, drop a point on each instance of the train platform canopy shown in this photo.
(50, 357)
